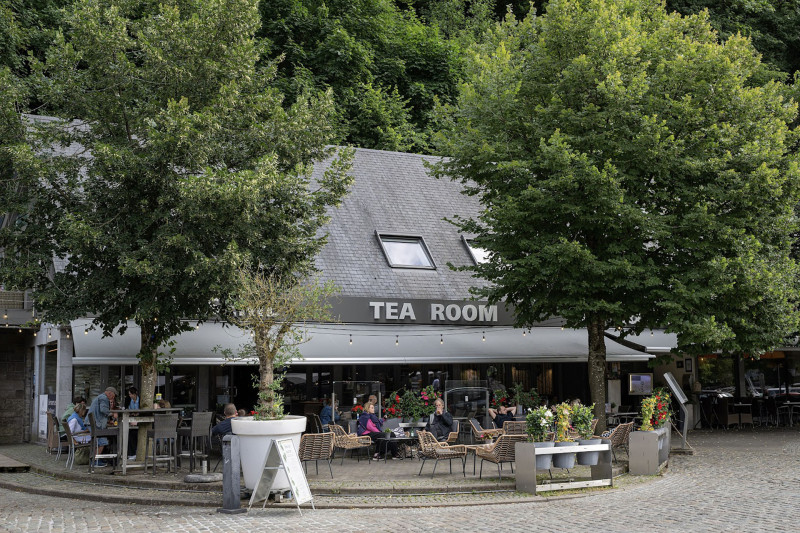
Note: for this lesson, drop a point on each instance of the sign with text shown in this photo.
(416, 311)
(282, 455)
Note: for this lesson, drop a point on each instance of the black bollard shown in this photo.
(231, 468)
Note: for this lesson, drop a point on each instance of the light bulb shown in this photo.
(484, 337)
(86, 332)
(441, 339)
(397, 340)
(351, 339)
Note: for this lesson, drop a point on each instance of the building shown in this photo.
(405, 318)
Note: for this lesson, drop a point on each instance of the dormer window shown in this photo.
(405, 251)
(479, 255)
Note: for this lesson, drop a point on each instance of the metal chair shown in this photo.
(199, 430)
(98, 433)
(75, 444)
(165, 432)
(316, 447)
(55, 442)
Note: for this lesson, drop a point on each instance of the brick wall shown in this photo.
(14, 387)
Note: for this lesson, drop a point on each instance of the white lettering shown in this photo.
(376, 309)
(407, 311)
(437, 312)
(391, 310)
(470, 313)
(487, 313)
(453, 312)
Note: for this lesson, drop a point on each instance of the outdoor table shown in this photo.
(138, 416)
(474, 449)
(409, 441)
(619, 416)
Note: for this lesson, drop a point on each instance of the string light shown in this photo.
(397, 340)
(651, 332)
(441, 338)
(68, 334)
(49, 335)
(351, 339)
(562, 328)
(34, 333)
(5, 315)
(85, 331)
(484, 336)
(20, 330)
(523, 332)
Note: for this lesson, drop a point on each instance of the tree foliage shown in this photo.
(632, 177)
(174, 161)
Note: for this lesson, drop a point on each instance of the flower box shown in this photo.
(649, 451)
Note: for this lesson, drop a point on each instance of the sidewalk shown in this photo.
(355, 483)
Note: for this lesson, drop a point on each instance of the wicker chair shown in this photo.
(515, 427)
(482, 434)
(316, 447)
(452, 437)
(348, 441)
(430, 448)
(574, 435)
(502, 451)
(618, 437)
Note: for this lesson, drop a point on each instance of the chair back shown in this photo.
(314, 446)
(514, 427)
(316, 423)
(620, 434)
(53, 440)
(165, 426)
(504, 448)
(201, 424)
(339, 434)
(427, 442)
(477, 429)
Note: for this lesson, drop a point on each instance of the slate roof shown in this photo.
(393, 192)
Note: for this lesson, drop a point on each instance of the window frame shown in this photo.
(470, 251)
(380, 235)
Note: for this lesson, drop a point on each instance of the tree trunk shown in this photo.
(147, 392)
(597, 371)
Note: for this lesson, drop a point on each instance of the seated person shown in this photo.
(329, 414)
(77, 426)
(502, 413)
(224, 427)
(370, 425)
(242, 413)
(71, 407)
(132, 401)
(440, 422)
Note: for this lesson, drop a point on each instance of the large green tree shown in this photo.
(175, 161)
(632, 177)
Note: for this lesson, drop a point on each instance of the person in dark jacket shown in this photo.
(371, 425)
(440, 422)
(224, 427)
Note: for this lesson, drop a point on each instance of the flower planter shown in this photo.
(588, 458)
(543, 462)
(649, 451)
(255, 437)
(564, 460)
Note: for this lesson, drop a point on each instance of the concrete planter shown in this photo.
(588, 458)
(564, 460)
(649, 451)
(255, 437)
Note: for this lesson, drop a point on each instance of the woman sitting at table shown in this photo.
(77, 425)
(370, 425)
(132, 401)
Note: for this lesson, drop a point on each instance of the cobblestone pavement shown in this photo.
(737, 481)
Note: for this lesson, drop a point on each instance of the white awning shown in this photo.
(375, 344)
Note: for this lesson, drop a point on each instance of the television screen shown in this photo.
(641, 384)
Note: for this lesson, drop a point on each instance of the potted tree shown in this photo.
(563, 460)
(274, 310)
(539, 422)
(582, 417)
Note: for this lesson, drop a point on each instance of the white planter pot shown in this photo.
(255, 437)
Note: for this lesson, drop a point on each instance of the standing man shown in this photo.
(101, 409)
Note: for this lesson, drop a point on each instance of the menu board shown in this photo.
(282, 455)
(675, 388)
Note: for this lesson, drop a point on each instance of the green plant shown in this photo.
(539, 421)
(648, 408)
(528, 399)
(427, 398)
(582, 416)
(411, 404)
(656, 410)
(499, 397)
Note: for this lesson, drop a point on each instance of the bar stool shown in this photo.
(200, 429)
(165, 431)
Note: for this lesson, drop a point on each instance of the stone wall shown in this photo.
(15, 386)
